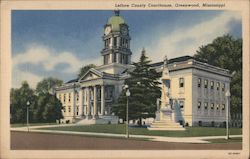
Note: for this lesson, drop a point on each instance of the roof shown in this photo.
(115, 22)
(178, 59)
(72, 81)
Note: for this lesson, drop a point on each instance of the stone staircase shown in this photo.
(165, 124)
(106, 119)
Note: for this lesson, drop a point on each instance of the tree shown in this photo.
(52, 109)
(144, 87)
(48, 108)
(119, 107)
(47, 85)
(226, 52)
(85, 69)
(45, 100)
(44, 106)
(19, 98)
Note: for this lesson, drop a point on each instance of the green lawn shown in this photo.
(31, 124)
(223, 140)
(120, 129)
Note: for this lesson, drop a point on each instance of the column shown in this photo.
(88, 103)
(95, 115)
(111, 44)
(81, 102)
(118, 42)
(102, 100)
(117, 57)
(110, 58)
(74, 102)
(84, 102)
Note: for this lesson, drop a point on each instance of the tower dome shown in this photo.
(115, 21)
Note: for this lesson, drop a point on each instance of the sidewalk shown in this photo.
(200, 139)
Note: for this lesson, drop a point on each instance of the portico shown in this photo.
(93, 95)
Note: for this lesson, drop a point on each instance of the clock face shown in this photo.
(107, 30)
(124, 30)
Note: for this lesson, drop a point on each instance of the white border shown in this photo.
(7, 6)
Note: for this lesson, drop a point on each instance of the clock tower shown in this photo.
(116, 52)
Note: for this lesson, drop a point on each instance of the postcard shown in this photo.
(124, 79)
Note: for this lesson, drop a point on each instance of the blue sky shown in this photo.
(58, 43)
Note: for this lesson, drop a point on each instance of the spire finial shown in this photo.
(117, 12)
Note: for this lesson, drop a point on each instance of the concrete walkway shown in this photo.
(200, 139)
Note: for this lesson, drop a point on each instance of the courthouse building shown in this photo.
(197, 87)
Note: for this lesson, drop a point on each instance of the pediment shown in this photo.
(91, 74)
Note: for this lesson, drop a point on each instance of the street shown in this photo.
(45, 141)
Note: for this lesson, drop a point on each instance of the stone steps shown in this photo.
(100, 120)
(166, 124)
(168, 128)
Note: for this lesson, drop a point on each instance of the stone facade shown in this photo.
(199, 89)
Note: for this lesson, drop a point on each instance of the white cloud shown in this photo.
(19, 76)
(185, 41)
(38, 54)
(48, 59)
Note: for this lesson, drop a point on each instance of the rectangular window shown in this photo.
(212, 84)
(205, 105)
(205, 83)
(223, 87)
(69, 109)
(199, 105)
(218, 86)
(64, 109)
(212, 106)
(77, 110)
(181, 82)
(69, 97)
(223, 107)
(77, 96)
(64, 98)
(199, 82)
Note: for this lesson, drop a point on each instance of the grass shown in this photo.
(223, 140)
(120, 129)
(31, 124)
